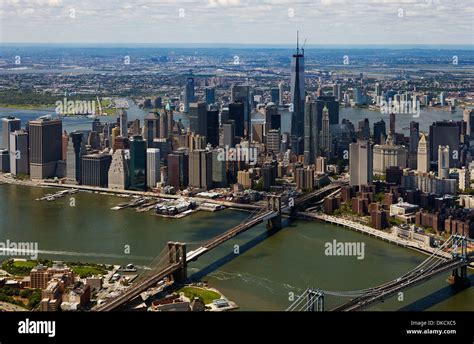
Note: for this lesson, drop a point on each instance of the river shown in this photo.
(260, 277)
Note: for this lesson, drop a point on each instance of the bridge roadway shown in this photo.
(137, 289)
(260, 217)
(391, 288)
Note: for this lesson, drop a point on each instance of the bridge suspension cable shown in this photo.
(427, 265)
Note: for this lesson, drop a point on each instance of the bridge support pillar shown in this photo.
(459, 251)
(315, 301)
(177, 254)
(274, 204)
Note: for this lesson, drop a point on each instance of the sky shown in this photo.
(381, 22)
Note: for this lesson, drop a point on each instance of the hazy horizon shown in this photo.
(270, 22)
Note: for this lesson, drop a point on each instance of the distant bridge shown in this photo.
(313, 299)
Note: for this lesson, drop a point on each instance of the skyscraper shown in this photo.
(228, 133)
(45, 146)
(200, 169)
(445, 133)
(333, 109)
(360, 163)
(164, 129)
(237, 114)
(137, 163)
(76, 148)
(210, 95)
(178, 169)
(413, 144)
(423, 157)
(95, 169)
(377, 91)
(443, 162)
(464, 178)
(119, 172)
(272, 118)
(275, 95)
(219, 171)
(468, 117)
(297, 99)
(311, 131)
(9, 124)
(123, 123)
(364, 129)
(326, 135)
(213, 127)
(281, 93)
(153, 175)
(379, 132)
(198, 118)
(273, 140)
(358, 96)
(241, 94)
(19, 163)
(388, 155)
(188, 92)
(392, 123)
(151, 128)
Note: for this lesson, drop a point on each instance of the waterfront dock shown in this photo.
(59, 194)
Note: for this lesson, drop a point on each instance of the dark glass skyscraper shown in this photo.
(242, 94)
(333, 109)
(380, 131)
(151, 129)
(210, 95)
(311, 132)
(445, 133)
(213, 127)
(75, 150)
(297, 99)
(137, 163)
(237, 114)
(198, 118)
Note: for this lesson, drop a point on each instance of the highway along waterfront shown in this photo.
(257, 271)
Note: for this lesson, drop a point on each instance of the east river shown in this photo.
(261, 276)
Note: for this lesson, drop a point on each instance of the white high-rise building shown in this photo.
(153, 175)
(423, 156)
(280, 90)
(360, 163)
(325, 133)
(443, 161)
(119, 171)
(464, 179)
(321, 164)
(389, 154)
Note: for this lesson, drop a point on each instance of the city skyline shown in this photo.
(384, 22)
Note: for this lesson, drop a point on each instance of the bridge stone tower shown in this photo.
(177, 254)
(274, 204)
(459, 251)
(315, 302)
